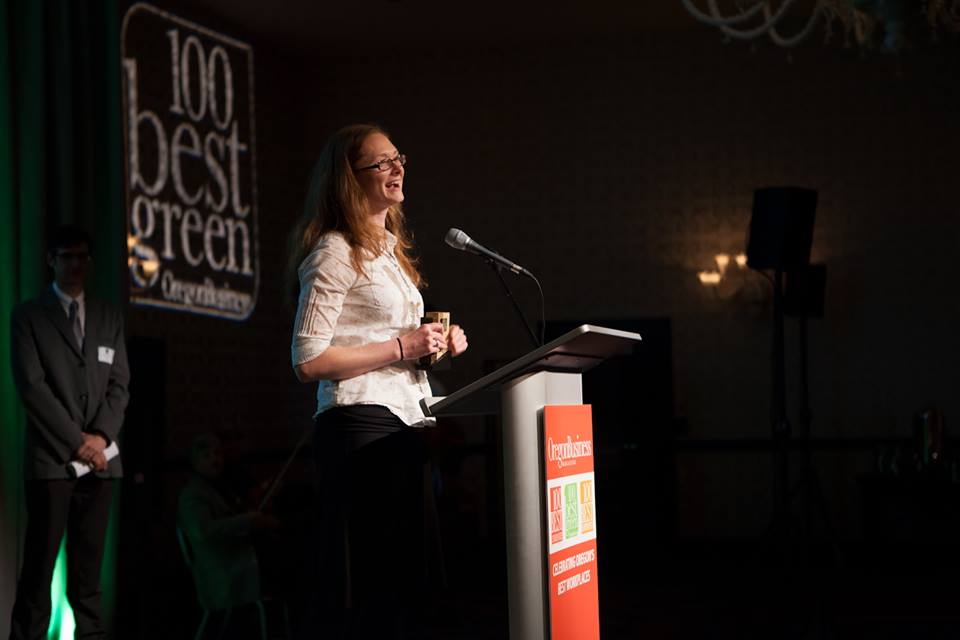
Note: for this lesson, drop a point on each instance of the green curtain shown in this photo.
(60, 161)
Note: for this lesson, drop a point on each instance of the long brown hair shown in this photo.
(335, 202)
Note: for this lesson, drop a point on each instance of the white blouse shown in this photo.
(341, 307)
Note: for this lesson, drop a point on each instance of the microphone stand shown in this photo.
(498, 268)
(275, 482)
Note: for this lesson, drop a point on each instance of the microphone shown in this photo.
(459, 240)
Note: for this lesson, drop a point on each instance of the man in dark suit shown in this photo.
(70, 369)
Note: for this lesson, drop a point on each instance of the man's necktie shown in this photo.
(75, 323)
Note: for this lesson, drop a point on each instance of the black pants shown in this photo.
(372, 517)
(82, 507)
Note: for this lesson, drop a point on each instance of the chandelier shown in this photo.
(891, 22)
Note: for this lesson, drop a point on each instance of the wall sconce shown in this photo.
(714, 278)
(732, 279)
(144, 266)
(722, 261)
(709, 278)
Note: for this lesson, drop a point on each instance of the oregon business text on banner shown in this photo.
(191, 180)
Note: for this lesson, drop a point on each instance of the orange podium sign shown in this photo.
(571, 522)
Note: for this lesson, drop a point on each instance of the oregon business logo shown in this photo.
(565, 452)
(191, 196)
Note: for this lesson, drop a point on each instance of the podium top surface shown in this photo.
(576, 351)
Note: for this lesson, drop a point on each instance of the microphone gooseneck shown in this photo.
(462, 242)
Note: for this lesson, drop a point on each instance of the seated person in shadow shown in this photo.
(219, 529)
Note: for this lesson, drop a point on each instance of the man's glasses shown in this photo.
(386, 165)
(73, 256)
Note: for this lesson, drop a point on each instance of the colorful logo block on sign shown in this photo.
(571, 514)
(556, 515)
(586, 506)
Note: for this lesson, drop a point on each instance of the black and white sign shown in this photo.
(191, 181)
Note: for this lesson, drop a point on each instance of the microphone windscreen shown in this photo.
(457, 239)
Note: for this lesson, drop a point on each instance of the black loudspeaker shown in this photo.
(803, 293)
(781, 228)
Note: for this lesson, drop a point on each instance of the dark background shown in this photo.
(613, 151)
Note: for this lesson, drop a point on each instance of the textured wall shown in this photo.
(615, 170)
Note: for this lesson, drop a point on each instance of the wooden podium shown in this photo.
(519, 391)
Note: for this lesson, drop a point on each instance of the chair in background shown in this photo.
(259, 604)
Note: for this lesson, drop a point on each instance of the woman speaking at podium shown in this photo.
(357, 332)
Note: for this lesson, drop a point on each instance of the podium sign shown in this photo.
(571, 522)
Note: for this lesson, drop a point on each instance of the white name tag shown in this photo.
(105, 354)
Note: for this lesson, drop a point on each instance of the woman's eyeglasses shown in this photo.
(386, 165)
